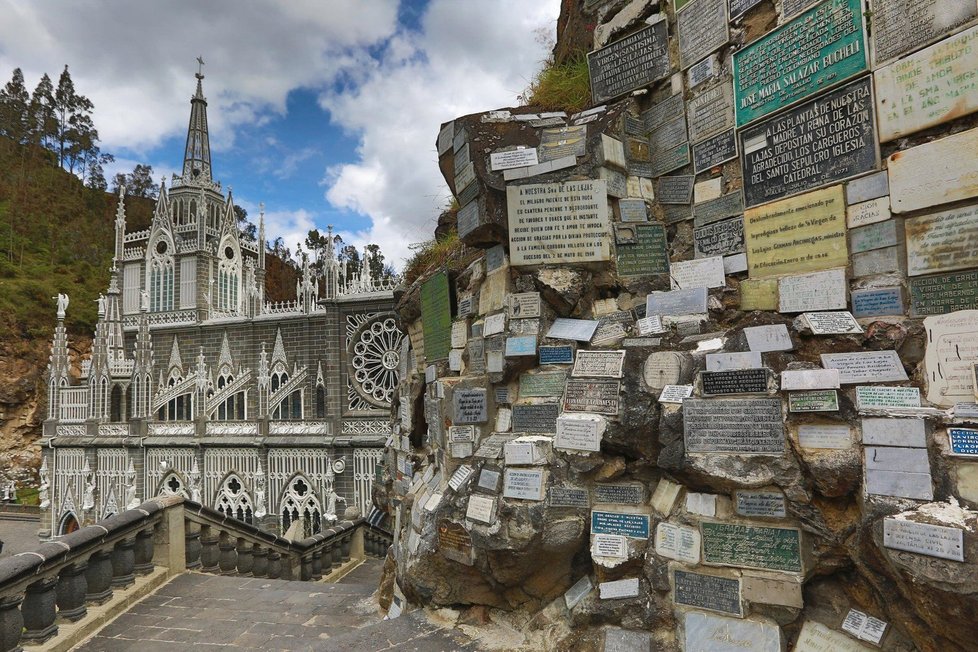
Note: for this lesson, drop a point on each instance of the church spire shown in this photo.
(197, 155)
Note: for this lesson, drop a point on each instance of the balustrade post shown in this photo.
(337, 553)
(143, 552)
(39, 611)
(274, 565)
(191, 539)
(123, 561)
(209, 553)
(287, 563)
(229, 558)
(246, 561)
(11, 623)
(259, 566)
(305, 568)
(317, 565)
(98, 576)
(71, 590)
(369, 543)
(345, 547)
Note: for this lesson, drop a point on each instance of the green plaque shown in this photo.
(752, 546)
(819, 49)
(821, 400)
(647, 254)
(436, 317)
(937, 295)
(545, 384)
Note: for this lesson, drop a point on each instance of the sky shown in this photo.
(325, 110)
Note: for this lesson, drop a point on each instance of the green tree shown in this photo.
(14, 103)
(138, 183)
(41, 121)
(75, 135)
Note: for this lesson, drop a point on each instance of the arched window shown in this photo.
(115, 404)
(233, 409)
(320, 402)
(291, 405)
(172, 485)
(180, 408)
(300, 502)
(228, 276)
(233, 501)
(161, 276)
(68, 524)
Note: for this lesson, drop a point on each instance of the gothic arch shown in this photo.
(67, 524)
(233, 499)
(173, 484)
(299, 501)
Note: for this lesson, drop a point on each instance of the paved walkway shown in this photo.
(18, 534)
(211, 612)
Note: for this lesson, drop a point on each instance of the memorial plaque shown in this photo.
(735, 381)
(675, 190)
(465, 305)
(542, 384)
(648, 254)
(460, 477)
(491, 447)
(714, 151)
(738, 8)
(470, 406)
(677, 542)
(870, 187)
(705, 70)
(719, 239)
(732, 361)
(516, 158)
(579, 432)
(963, 441)
(477, 356)
(468, 218)
(664, 111)
(869, 212)
(436, 317)
(521, 346)
(906, 105)
(752, 546)
(601, 364)
(667, 161)
(706, 190)
(619, 589)
(630, 525)
(900, 26)
(445, 137)
(668, 135)
(864, 626)
(812, 435)
(816, 637)
(809, 379)
(650, 325)
(759, 294)
(597, 396)
(523, 484)
(564, 328)
(662, 369)
(708, 592)
(698, 273)
(938, 172)
(816, 291)
(676, 302)
(768, 338)
(675, 393)
(878, 396)
(559, 144)
(633, 210)
(722, 634)
(825, 140)
(702, 29)
(816, 401)
(578, 592)
(950, 357)
(877, 302)
(770, 504)
(791, 8)
(942, 242)
(558, 223)
(749, 426)
(898, 472)
(710, 112)
(822, 47)
(494, 324)
(567, 497)
(619, 494)
(924, 539)
(832, 323)
(536, 418)
(718, 209)
(674, 214)
(906, 433)
(609, 545)
(556, 355)
(878, 261)
(632, 62)
(866, 366)
(875, 236)
(944, 293)
(489, 480)
(481, 509)
(455, 540)
(524, 305)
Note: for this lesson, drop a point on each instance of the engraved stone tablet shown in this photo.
(492, 446)
(675, 190)
(436, 317)
(461, 475)
(866, 366)
(942, 242)
(609, 545)
(944, 293)
(769, 504)
(481, 509)
(811, 435)
(677, 542)
(733, 426)
(718, 209)
(899, 472)
(572, 329)
(868, 212)
(535, 418)
(827, 139)
(719, 239)
(601, 364)
(708, 592)
(620, 494)
(871, 186)
(633, 210)
(542, 384)
(470, 406)
(740, 7)
(468, 219)
(759, 294)
(768, 338)
(516, 158)
(618, 589)
(590, 395)
(710, 112)
(700, 273)
(731, 361)
(675, 393)
(579, 432)
(665, 161)
(864, 626)
(938, 172)
(808, 379)
(950, 357)
(625, 524)
(523, 484)
(713, 151)
(646, 254)
(875, 236)
(816, 637)
(650, 325)
(524, 305)
(703, 71)
(823, 46)
(737, 381)
(676, 302)
(666, 136)
(924, 539)
(832, 323)
(816, 291)
(567, 497)
(878, 261)
(559, 144)
(752, 546)
(632, 62)
(702, 29)
(816, 401)
(722, 634)
(662, 369)
(907, 433)
(577, 227)
(877, 396)
(556, 354)
(489, 480)
(877, 302)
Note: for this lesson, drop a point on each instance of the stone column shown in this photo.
(259, 566)
(274, 565)
(317, 565)
(123, 561)
(305, 568)
(11, 623)
(39, 611)
(192, 546)
(71, 590)
(98, 576)
(143, 552)
(345, 546)
(209, 554)
(245, 559)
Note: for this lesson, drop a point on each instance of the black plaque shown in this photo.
(714, 151)
(702, 29)
(633, 126)
(632, 62)
(734, 381)
(673, 159)
(668, 136)
(619, 494)
(740, 7)
(708, 592)
(749, 426)
(817, 143)
(590, 395)
(675, 190)
(674, 214)
(711, 112)
(536, 418)
(665, 111)
(640, 169)
(719, 239)
(718, 209)
(567, 497)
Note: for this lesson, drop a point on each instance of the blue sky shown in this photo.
(326, 111)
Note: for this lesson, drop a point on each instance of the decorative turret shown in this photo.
(59, 363)
(120, 227)
(197, 154)
(142, 373)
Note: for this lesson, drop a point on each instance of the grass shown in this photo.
(428, 256)
(563, 87)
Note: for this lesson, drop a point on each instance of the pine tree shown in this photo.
(41, 122)
(14, 101)
(76, 136)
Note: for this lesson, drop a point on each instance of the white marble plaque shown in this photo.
(677, 542)
(489, 480)
(768, 338)
(832, 323)
(580, 432)
(558, 222)
(461, 475)
(460, 331)
(709, 633)
(812, 435)
(663, 368)
(676, 302)
(675, 393)
(809, 379)
(871, 186)
(481, 509)
(866, 366)
(864, 627)
(609, 545)
(899, 472)
(494, 324)
(826, 290)
(907, 433)
(938, 172)
(944, 241)
(599, 364)
(699, 273)
(924, 539)
(952, 350)
(627, 588)
(524, 484)
(524, 305)
(572, 329)
(650, 325)
(504, 419)
(769, 504)
(517, 158)
(731, 361)
(816, 637)
(707, 190)
(879, 396)
(527, 450)
(455, 360)
(868, 212)
(702, 504)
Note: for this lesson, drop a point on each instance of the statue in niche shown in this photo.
(259, 478)
(131, 501)
(45, 500)
(144, 300)
(89, 501)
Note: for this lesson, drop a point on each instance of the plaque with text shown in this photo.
(436, 317)
(816, 291)
(675, 190)
(676, 302)
(964, 441)
(878, 396)
(629, 525)
(562, 142)
(740, 7)
(944, 293)
(826, 400)
(524, 305)
(633, 210)
(708, 592)
(702, 29)
(602, 364)
(924, 539)
(516, 158)
(713, 151)
(877, 302)
(568, 497)
(749, 426)
(632, 62)
(668, 135)
(647, 254)
(556, 354)
(768, 504)
(719, 239)
(565, 328)
(467, 219)
(455, 539)
(662, 112)
(677, 542)
(523, 484)
(901, 26)
(721, 208)
(580, 432)
(827, 139)
(752, 546)
(671, 159)
(536, 418)
(470, 406)
(620, 494)
(866, 366)
(829, 436)
(888, 233)
(823, 46)
(734, 381)
(542, 384)
(597, 396)
(558, 223)
(937, 172)
(945, 241)
(710, 112)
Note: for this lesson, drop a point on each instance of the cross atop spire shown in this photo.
(197, 155)
(200, 67)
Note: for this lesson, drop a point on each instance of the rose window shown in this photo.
(374, 358)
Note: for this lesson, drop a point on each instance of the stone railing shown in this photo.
(55, 583)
